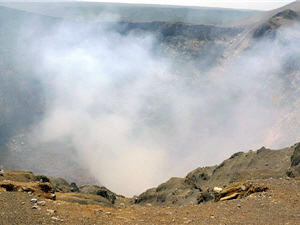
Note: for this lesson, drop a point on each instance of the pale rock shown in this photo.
(51, 211)
(56, 219)
(42, 203)
(33, 200)
(98, 210)
(217, 190)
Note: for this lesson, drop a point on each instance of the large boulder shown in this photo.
(101, 191)
(205, 196)
(294, 171)
(61, 185)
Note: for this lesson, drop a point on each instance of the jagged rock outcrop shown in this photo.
(39, 189)
(198, 185)
(239, 190)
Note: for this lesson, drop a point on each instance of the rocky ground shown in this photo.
(257, 187)
(280, 204)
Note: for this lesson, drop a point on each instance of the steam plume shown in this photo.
(135, 121)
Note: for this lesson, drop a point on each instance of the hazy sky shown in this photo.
(238, 4)
(241, 4)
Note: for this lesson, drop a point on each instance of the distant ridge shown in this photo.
(87, 11)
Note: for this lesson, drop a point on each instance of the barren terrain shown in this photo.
(279, 205)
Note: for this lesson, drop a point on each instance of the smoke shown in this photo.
(100, 89)
(134, 120)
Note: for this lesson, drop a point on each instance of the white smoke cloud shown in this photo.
(99, 87)
(134, 121)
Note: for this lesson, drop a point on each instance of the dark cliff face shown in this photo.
(269, 28)
(294, 171)
(190, 40)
